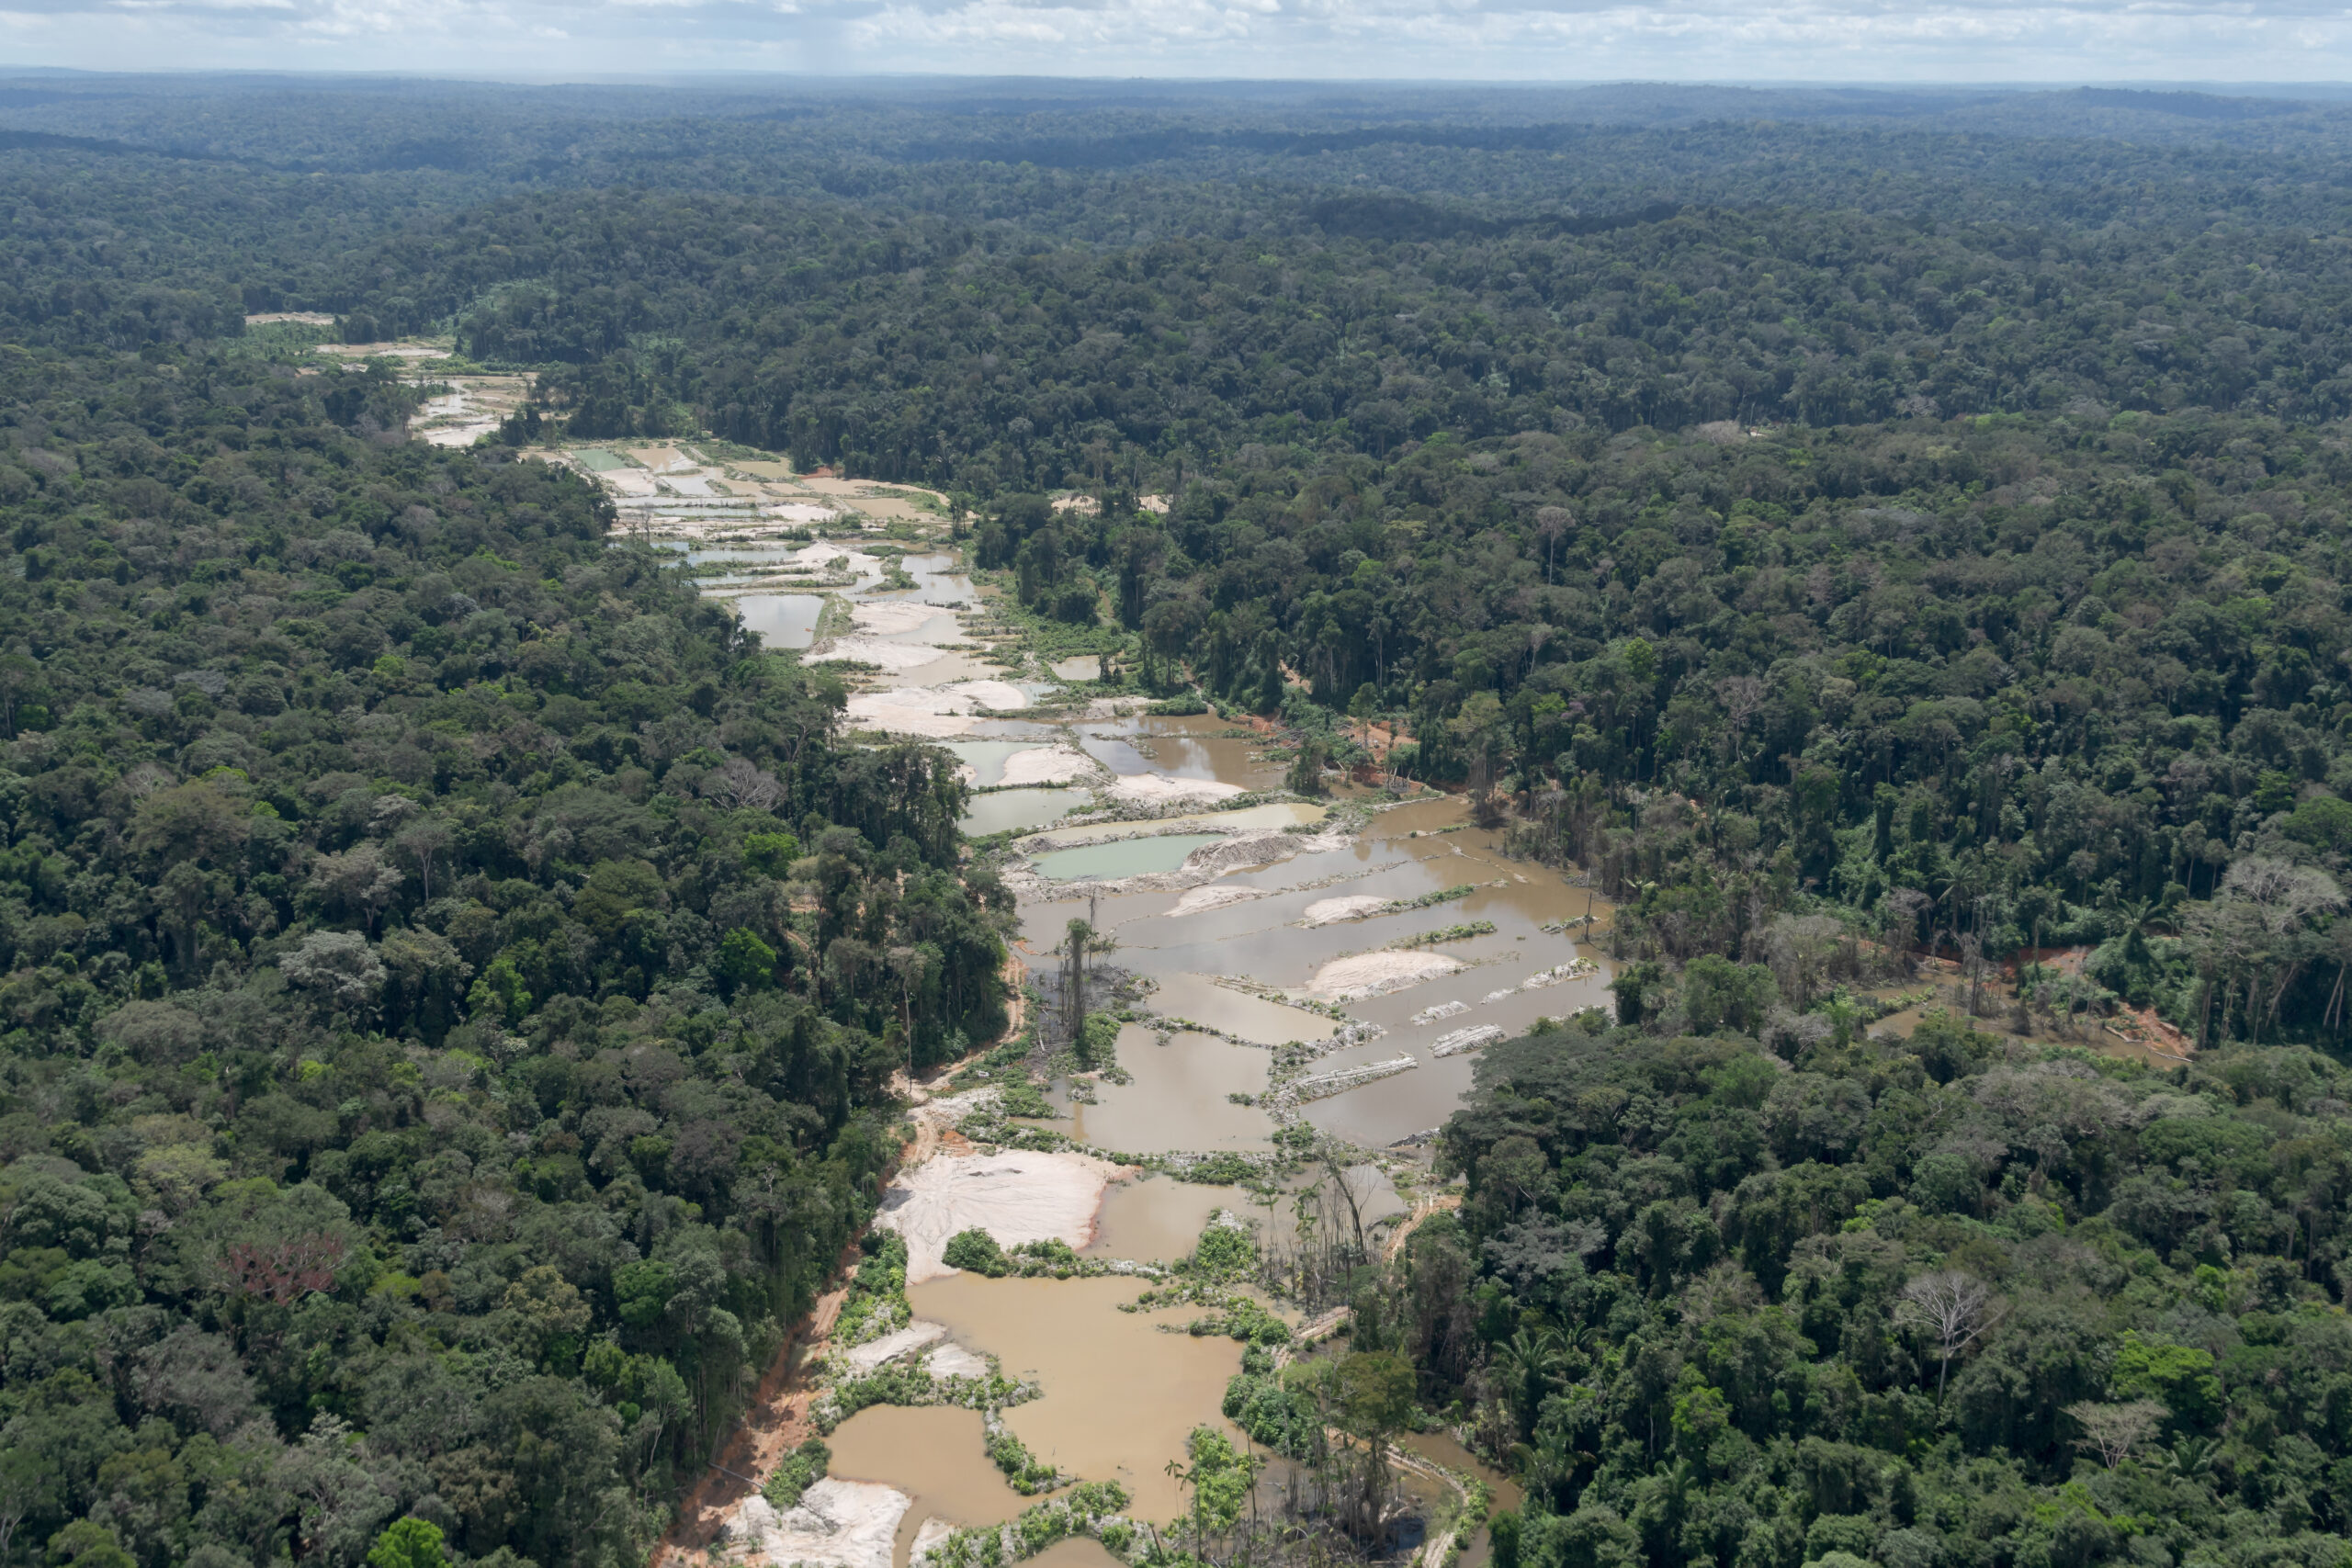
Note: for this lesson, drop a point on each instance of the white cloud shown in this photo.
(1874, 40)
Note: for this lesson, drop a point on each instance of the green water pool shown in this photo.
(1125, 857)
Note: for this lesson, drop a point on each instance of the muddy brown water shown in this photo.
(1157, 1219)
(1178, 1101)
(1193, 747)
(1005, 810)
(1120, 1397)
(937, 1455)
(1441, 1448)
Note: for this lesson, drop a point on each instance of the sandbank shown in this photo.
(1201, 900)
(1331, 912)
(874, 1352)
(836, 1524)
(1152, 789)
(1015, 1198)
(1047, 764)
(879, 652)
(1375, 974)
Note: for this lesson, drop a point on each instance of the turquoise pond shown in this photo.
(1124, 857)
(1008, 808)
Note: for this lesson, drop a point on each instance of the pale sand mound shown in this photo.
(886, 616)
(836, 1524)
(928, 1537)
(1241, 849)
(932, 710)
(1331, 912)
(1201, 900)
(879, 652)
(1153, 789)
(874, 1352)
(799, 511)
(1001, 695)
(825, 556)
(1047, 764)
(1014, 1197)
(1373, 974)
(955, 1361)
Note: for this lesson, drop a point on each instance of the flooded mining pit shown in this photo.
(1232, 921)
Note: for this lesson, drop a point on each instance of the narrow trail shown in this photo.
(776, 1421)
(1394, 1246)
(1434, 1550)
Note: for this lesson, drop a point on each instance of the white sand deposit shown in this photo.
(885, 617)
(836, 1524)
(1047, 766)
(799, 511)
(1201, 900)
(878, 651)
(1461, 1040)
(1253, 848)
(1375, 974)
(874, 1352)
(1331, 912)
(933, 710)
(955, 1361)
(1001, 695)
(1014, 1197)
(1156, 789)
(826, 556)
(928, 1537)
(1441, 1010)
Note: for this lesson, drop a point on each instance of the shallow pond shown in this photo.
(1010, 808)
(937, 1455)
(1182, 748)
(1119, 1398)
(1199, 999)
(1156, 1219)
(1249, 818)
(987, 758)
(1178, 1100)
(783, 620)
(1122, 857)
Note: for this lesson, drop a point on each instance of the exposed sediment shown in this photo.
(1015, 1198)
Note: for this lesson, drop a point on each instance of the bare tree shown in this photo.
(1799, 947)
(1957, 1309)
(2257, 928)
(2112, 1432)
(1742, 697)
(424, 841)
(1551, 523)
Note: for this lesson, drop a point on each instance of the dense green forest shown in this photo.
(452, 972)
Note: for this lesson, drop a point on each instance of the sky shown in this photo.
(1886, 41)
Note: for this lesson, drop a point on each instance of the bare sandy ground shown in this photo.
(955, 1361)
(836, 1524)
(874, 1352)
(1014, 1197)
(1201, 900)
(798, 511)
(1154, 789)
(880, 653)
(935, 711)
(1331, 912)
(887, 616)
(1375, 974)
(1047, 764)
